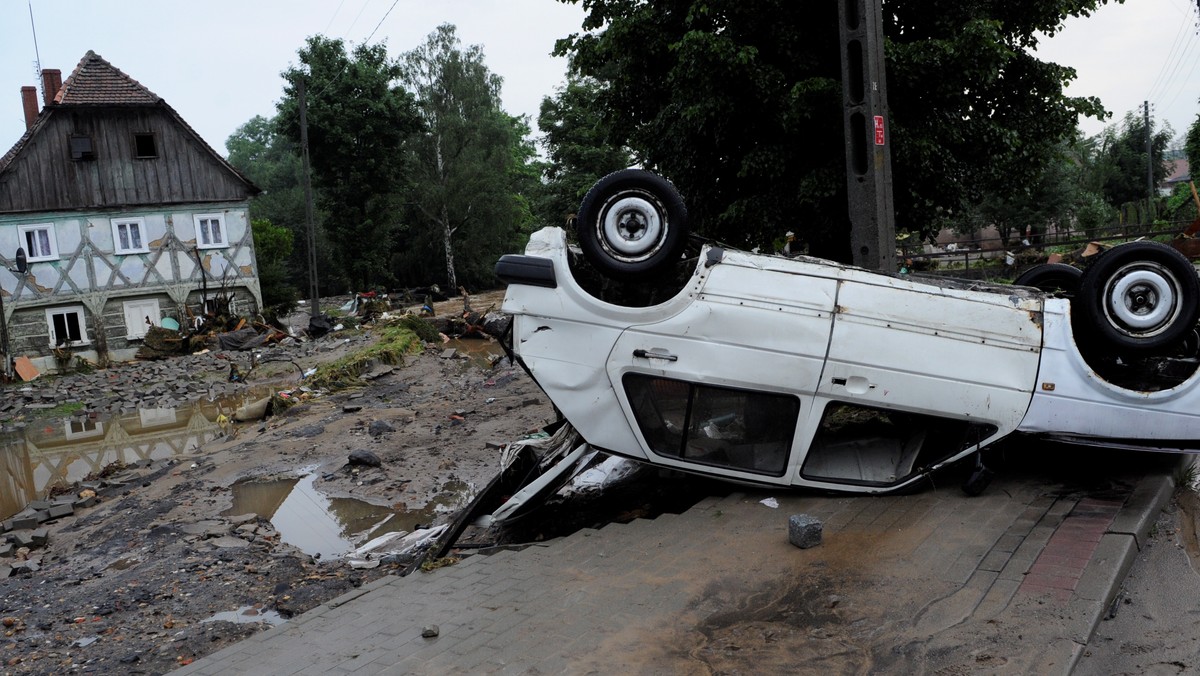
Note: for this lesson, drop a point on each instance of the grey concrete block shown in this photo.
(804, 531)
(39, 537)
(59, 511)
(6, 550)
(24, 523)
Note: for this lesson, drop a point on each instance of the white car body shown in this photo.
(801, 372)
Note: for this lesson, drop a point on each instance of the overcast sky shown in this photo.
(217, 62)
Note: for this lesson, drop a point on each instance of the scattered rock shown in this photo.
(430, 631)
(804, 531)
(364, 458)
(379, 427)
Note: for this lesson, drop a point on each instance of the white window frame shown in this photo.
(157, 417)
(51, 239)
(87, 428)
(207, 305)
(204, 232)
(129, 225)
(136, 329)
(76, 310)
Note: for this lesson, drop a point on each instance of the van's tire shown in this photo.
(1138, 298)
(1056, 278)
(632, 224)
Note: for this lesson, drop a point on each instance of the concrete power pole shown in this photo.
(1149, 163)
(868, 153)
(314, 296)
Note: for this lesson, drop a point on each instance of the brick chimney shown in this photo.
(51, 83)
(30, 103)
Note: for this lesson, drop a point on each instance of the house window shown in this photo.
(40, 242)
(210, 231)
(66, 326)
(144, 146)
(140, 315)
(129, 235)
(154, 417)
(220, 306)
(82, 429)
(81, 147)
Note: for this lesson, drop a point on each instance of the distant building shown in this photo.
(124, 215)
(1180, 172)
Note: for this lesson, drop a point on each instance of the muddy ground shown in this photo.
(150, 577)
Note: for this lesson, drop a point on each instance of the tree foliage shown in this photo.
(580, 148)
(1125, 164)
(358, 124)
(272, 249)
(739, 103)
(1191, 144)
(466, 169)
(272, 162)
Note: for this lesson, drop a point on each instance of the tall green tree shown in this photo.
(1126, 165)
(272, 162)
(579, 147)
(739, 103)
(1191, 144)
(272, 249)
(466, 206)
(359, 120)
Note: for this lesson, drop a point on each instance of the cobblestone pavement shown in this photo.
(1013, 581)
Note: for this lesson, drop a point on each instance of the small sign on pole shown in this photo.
(878, 130)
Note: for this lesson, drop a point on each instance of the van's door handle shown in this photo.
(651, 354)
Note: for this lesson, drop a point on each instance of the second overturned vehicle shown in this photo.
(802, 372)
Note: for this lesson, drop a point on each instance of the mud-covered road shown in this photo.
(192, 553)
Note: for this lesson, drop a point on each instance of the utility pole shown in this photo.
(308, 203)
(864, 118)
(1149, 164)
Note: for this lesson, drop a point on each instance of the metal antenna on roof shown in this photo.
(37, 57)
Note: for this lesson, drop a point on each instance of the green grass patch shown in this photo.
(394, 342)
(59, 411)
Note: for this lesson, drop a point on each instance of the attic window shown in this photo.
(144, 146)
(81, 147)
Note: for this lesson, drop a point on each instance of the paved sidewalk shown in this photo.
(1013, 581)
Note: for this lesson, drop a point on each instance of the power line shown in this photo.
(1180, 84)
(1171, 58)
(365, 42)
(335, 13)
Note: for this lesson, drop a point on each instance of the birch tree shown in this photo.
(466, 166)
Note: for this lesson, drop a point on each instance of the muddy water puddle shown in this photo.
(482, 353)
(330, 527)
(248, 615)
(51, 452)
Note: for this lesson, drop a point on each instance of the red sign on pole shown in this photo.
(878, 130)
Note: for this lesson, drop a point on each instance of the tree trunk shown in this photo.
(448, 232)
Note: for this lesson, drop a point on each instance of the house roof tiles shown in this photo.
(96, 81)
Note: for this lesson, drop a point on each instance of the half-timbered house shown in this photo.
(114, 214)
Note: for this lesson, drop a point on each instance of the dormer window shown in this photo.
(81, 147)
(144, 145)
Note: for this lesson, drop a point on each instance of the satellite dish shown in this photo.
(22, 261)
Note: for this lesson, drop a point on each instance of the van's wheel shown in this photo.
(1058, 278)
(1139, 297)
(632, 223)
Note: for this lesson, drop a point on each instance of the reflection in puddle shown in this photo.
(248, 615)
(54, 452)
(331, 527)
(482, 353)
